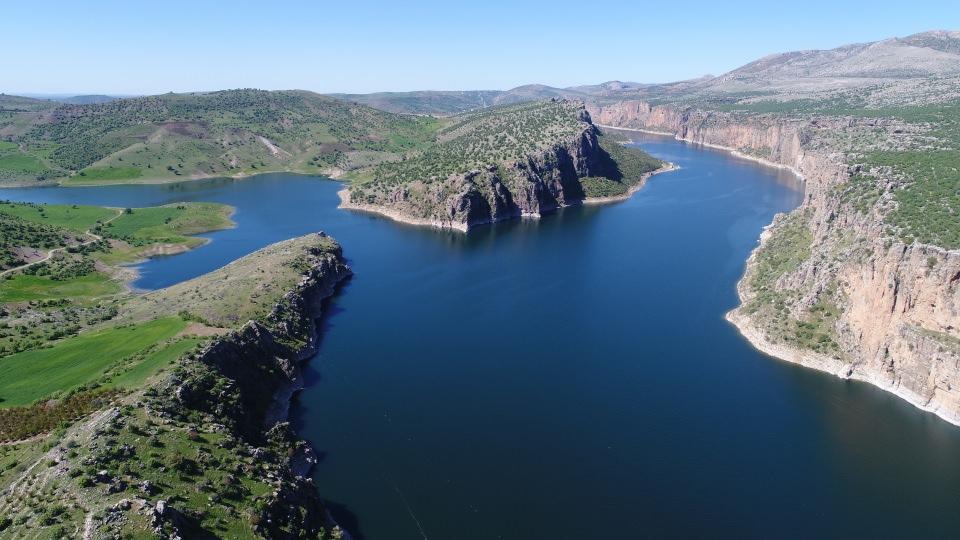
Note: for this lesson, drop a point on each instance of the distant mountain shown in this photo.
(928, 54)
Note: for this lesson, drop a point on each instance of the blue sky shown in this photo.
(136, 47)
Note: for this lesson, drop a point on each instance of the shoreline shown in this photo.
(811, 360)
(667, 167)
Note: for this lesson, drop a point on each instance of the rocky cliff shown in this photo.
(830, 286)
(246, 380)
(494, 178)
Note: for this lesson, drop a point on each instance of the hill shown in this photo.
(182, 136)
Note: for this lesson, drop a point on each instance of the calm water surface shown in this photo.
(574, 377)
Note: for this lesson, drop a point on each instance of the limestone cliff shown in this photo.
(829, 286)
(540, 166)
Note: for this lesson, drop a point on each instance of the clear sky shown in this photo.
(138, 47)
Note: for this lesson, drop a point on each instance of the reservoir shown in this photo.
(573, 377)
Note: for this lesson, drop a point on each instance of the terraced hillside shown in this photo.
(500, 163)
(184, 136)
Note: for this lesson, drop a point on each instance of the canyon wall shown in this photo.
(897, 304)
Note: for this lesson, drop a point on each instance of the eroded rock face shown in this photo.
(899, 305)
(536, 184)
(246, 380)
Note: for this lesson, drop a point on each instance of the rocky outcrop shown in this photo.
(898, 320)
(246, 379)
(539, 183)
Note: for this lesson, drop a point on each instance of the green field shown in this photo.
(18, 162)
(168, 224)
(154, 362)
(22, 288)
(31, 375)
(73, 217)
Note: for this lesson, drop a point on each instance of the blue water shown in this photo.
(573, 377)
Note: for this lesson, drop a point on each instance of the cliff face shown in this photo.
(246, 379)
(881, 311)
(539, 181)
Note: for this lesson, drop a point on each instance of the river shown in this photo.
(573, 377)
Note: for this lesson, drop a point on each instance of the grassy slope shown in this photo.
(73, 217)
(31, 375)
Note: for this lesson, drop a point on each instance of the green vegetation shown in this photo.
(17, 233)
(782, 253)
(73, 217)
(478, 140)
(598, 186)
(862, 191)
(129, 412)
(18, 423)
(93, 174)
(927, 205)
(38, 374)
(23, 287)
(154, 362)
(630, 162)
(180, 136)
(170, 224)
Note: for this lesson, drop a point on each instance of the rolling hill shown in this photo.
(183, 136)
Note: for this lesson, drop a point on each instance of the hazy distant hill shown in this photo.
(87, 99)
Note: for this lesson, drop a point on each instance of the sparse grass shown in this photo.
(72, 362)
